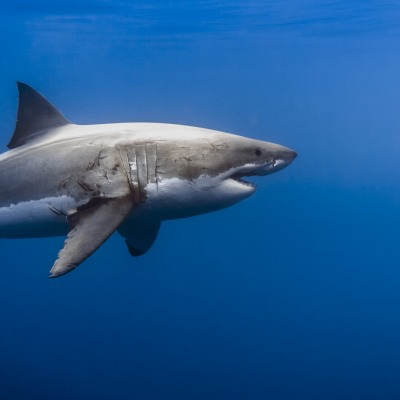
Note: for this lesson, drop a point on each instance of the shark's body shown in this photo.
(89, 180)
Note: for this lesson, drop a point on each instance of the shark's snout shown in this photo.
(289, 156)
(284, 158)
(280, 159)
(284, 153)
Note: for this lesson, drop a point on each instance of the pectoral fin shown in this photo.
(90, 226)
(139, 235)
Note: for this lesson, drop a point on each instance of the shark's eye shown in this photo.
(257, 152)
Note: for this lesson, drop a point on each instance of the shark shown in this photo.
(87, 181)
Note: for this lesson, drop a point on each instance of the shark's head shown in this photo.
(248, 157)
(207, 172)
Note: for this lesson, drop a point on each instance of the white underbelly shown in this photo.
(180, 198)
(36, 218)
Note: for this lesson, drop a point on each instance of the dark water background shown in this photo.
(293, 293)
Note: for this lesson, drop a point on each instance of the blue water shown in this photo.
(291, 294)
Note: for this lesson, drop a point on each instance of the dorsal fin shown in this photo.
(35, 114)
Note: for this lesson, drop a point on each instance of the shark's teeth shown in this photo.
(238, 178)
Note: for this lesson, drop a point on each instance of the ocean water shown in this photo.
(293, 293)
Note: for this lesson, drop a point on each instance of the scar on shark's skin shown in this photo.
(96, 161)
(56, 211)
(127, 177)
(64, 182)
(85, 186)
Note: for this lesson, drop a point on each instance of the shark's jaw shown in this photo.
(268, 167)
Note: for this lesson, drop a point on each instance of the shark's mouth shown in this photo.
(253, 170)
(266, 168)
(238, 178)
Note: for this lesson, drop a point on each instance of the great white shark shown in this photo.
(87, 181)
